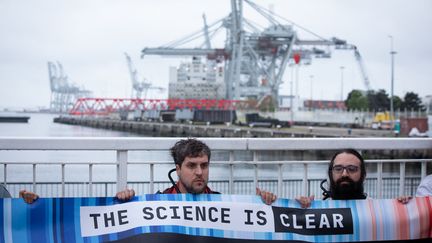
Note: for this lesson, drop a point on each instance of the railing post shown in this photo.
(255, 159)
(379, 180)
(90, 194)
(34, 178)
(151, 184)
(122, 159)
(231, 178)
(305, 179)
(279, 188)
(423, 169)
(402, 178)
(4, 174)
(63, 179)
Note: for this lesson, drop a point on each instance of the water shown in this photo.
(42, 125)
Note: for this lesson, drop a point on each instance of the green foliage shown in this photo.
(378, 101)
(356, 101)
(397, 102)
(412, 101)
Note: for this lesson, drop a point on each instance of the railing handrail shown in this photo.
(218, 162)
(147, 143)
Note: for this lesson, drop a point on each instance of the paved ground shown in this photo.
(335, 131)
(327, 131)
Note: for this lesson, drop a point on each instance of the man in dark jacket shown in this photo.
(192, 158)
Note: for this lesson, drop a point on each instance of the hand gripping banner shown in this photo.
(213, 218)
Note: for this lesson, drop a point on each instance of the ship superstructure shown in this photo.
(199, 79)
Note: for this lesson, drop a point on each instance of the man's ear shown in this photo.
(178, 168)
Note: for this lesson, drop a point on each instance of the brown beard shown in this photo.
(346, 191)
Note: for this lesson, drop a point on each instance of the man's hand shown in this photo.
(267, 197)
(404, 199)
(29, 197)
(305, 202)
(125, 195)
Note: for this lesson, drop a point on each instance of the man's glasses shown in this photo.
(351, 169)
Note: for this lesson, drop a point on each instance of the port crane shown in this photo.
(63, 93)
(139, 88)
(255, 58)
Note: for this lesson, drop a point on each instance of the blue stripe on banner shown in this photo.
(61, 220)
(28, 220)
(77, 202)
(54, 219)
(364, 232)
(3, 218)
(19, 221)
(353, 206)
(37, 221)
(68, 226)
(49, 220)
(8, 220)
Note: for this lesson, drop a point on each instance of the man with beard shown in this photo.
(192, 160)
(346, 173)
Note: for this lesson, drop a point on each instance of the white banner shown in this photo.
(100, 220)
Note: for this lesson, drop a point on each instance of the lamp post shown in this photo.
(342, 69)
(291, 96)
(392, 53)
(311, 91)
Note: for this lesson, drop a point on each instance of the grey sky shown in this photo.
(89, 38)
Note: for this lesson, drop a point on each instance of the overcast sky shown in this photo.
(89, 38)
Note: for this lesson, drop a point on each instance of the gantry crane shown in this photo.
(255, 59)
(63, 93)
(139, 88)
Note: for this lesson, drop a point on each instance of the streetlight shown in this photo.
(342, 68)
(291, 96)
(392, 53)
(311, 91)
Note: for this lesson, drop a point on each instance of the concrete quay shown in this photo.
(161, 129)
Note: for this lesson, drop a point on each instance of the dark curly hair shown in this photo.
(189, 148)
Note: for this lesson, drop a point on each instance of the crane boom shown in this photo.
(363, 72)
(132, 71)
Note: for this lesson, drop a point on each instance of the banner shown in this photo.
(212, 218)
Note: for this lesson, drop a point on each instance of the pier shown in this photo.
(10, 119)
(164, 129)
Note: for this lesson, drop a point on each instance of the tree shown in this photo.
(412, 101)
(356, 100)
(378, 101)
(397, 102)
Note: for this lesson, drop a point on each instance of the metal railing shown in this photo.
(377, 184)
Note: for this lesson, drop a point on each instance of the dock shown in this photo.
(165, 129)
(14, 119)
